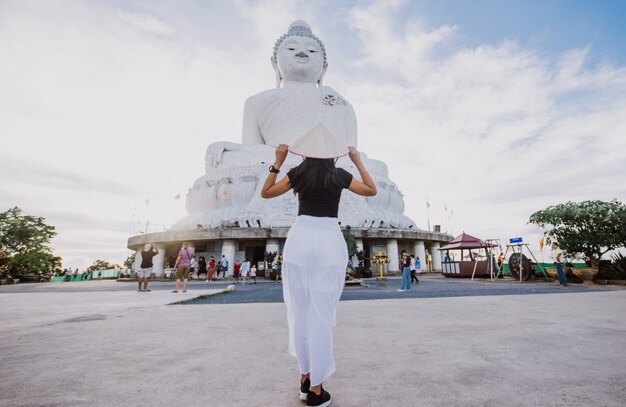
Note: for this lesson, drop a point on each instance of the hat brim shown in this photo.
(318, 143)
(318, 158)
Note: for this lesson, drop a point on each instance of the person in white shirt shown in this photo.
(193, 266)
(253, 273)
(413, 268)
(557, 258)
(244, 270)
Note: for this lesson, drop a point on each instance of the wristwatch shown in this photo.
(274, 169)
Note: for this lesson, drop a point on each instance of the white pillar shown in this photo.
(420, 251)
(158, 260)
(228, 250)
(392, 254)
(436, 255)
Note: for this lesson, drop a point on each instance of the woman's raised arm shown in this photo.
(271, 188)
(366, 187)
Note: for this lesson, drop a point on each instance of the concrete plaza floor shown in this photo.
(116, 347)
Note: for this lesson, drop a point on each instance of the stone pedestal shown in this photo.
(226, 240)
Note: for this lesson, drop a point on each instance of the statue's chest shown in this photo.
(285, 115)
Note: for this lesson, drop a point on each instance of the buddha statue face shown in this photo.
(300, 59)
(299, 56)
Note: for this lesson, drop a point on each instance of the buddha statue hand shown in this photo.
(215, 151)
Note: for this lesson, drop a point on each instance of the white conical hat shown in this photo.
(318, 142)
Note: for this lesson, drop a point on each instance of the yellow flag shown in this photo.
(541, 242)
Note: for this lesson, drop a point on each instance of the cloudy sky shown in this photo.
(489, 109)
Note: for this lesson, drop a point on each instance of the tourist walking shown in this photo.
(245, 269)
(236, 269)
(278, 267)
(557, 258)
(253, 273)
(223, 266)
(413, 270)
(202, 267)
(68, 274)
(418, 265)
(209, 276)
(193, 268)
(182, 266)
(218, 268)
(145, 270)
(315, 253)
(405, 261)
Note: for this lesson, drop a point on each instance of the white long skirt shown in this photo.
(314, 270)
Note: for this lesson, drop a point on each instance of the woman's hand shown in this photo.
(281, 155)
(366, 187)
(354, 154)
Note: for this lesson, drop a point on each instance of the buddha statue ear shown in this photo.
(321, 78)
(279, 77)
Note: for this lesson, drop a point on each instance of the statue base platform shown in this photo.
(237, 243)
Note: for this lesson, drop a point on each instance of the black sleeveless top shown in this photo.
(320, 201)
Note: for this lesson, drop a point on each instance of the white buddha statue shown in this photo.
(228, 195)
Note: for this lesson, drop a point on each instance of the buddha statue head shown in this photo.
(299, 56)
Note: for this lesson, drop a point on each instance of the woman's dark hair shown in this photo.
(314, 172)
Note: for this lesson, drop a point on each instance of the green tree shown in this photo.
(25, 240)
(129, 261)
(101, 265)
(590, 228)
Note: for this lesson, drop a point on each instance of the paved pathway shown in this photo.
(429, 287)
(111, 348)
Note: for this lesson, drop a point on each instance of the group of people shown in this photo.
(73, 275)
(200, 268)
(411, 266)
(186, 264)
(246, 271)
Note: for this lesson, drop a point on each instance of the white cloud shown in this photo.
(146, 22)
(495, 131)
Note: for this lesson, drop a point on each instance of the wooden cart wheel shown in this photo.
(514, 266)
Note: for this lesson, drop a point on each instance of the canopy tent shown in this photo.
(467, 268)
(465, 241)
